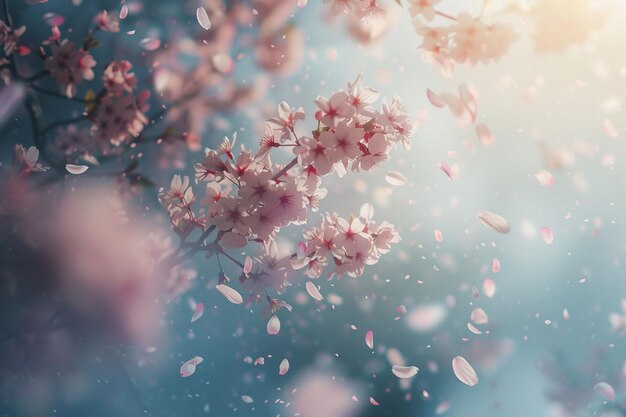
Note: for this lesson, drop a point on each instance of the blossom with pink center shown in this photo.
(290, 204)
(214, 193)
(361, 98)
(373, 153)
(211, 168)
(119, 119)
(9, 37)
(351, 236)
(258, 187)
(107, 22)
(118, 79)
(333, 109)
(231, 215)
(69, 66)
(312, 152)
(286, 120)
(264, 222)
(342, 143)
(27, 159)
(423, 8)
(179, 197)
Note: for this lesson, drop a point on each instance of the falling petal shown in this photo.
(464, 371)
(484, 134)
(374, 402)
(247, 265)
(434, 99)
(495, 265)
(123, 12)
(489, 287)
(545, 178)
(302, 3)
(446, 170)
(203, 18)
(547, 235)
(473, 329)
(605, 390)
(313, 291)
(442, 408)
(283, 368)
(494, 222)
(367, 211)
(247, 399)
(565, 314)
(150, 44)
(395, 178)
(54, 19)
(189, 368)
(273, 325)
(76, 169)
(369, 339)
(198, 312)
(479, 316)
(438, 235)
(404, 371)
(223, 63)
(231, 295)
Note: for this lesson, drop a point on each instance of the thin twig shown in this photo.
(286, 168)
(447, 16)
(235, 261)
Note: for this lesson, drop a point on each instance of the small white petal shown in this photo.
(284, 367)
(395, 178)
(464, 371)
(605, 390)
(273, 326)
(369, 339)
(494, 222)
(203, 18)
(313, 291)
(231, 295)
(76, 169)
(198, 312)
(404, 371)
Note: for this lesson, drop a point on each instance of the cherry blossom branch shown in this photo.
(197, 246)
(447, 16)
(230, 257)
(286, 168)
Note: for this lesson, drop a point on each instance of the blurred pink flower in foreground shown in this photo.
(323, 394)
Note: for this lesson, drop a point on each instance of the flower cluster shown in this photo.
(466, 40)
(27, 159)
(69, 66)
(351, 244)
(209, 86)
(249, 198)
(119, 115)
(9, 37)
(366, 20)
